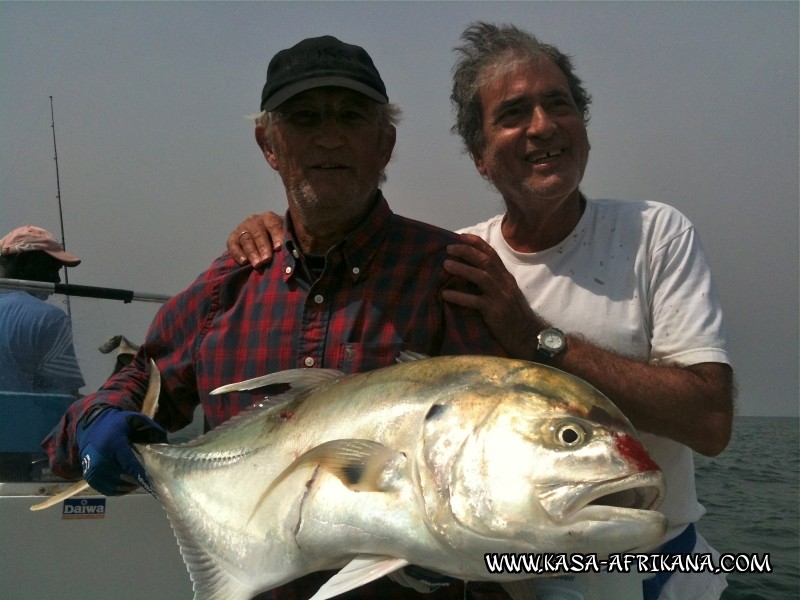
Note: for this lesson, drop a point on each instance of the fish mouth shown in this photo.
(602, 501)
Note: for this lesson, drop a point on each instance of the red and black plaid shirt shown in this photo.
(379, 293)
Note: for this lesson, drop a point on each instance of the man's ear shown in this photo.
(266, 147)
(477, 158)
(388, 140)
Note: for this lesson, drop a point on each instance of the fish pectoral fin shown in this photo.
(361, 465)
(359, 571)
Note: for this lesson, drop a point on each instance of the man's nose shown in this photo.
(541, 124)
(330, 133)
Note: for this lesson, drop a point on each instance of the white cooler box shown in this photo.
(86, 548)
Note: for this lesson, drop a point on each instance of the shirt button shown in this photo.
(356, 270)
(288, 270)
(318, 299)
(309, 362)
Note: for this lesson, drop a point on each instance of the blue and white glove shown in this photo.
(108, 462)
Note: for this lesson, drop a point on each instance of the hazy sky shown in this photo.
(695, 104)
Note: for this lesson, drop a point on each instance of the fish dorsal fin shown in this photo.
(298, 379)
(149, 408)
(359, 571)
(361, 465)
(410, 356)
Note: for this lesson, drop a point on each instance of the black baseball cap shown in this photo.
(320, 62)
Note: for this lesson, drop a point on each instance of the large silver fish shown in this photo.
(435, 461)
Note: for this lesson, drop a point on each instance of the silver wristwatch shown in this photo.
(552, 341)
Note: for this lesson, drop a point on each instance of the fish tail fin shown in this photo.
(149, 408)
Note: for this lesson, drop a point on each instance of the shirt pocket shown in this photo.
(357, 358)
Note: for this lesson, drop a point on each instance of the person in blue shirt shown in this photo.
(36, 349)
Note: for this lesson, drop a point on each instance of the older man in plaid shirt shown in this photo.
(352, 286)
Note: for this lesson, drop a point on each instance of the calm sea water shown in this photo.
(752, 495)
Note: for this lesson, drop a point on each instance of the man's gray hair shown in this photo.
(487, 50)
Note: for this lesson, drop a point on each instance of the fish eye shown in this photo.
(569, 434)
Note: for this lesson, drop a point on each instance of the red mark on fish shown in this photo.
(286, 415)
(632, 450)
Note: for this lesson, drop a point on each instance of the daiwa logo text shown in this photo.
(84, 508)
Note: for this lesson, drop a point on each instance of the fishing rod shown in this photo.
(86, 291)
(67, 288)
(58, 197)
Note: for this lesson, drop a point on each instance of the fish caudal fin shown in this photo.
(149, 408)
(359, 571)
(75, 488)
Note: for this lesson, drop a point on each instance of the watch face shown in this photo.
(552, 340)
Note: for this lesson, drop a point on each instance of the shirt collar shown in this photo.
(357, 248)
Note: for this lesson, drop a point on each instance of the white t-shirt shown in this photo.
(633, 278)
